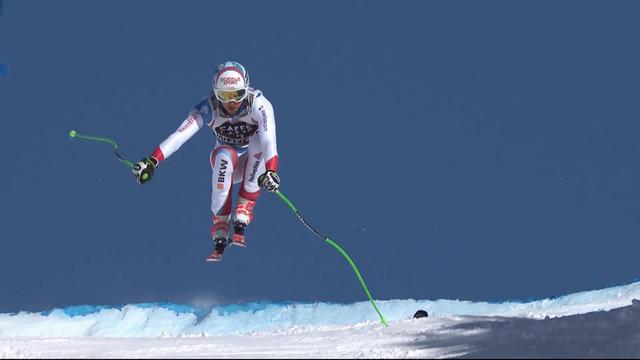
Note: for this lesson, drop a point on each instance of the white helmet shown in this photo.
(230, 82)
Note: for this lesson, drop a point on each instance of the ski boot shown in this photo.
(243, 216)
(219, 233)
(238, 233)
(216, 255)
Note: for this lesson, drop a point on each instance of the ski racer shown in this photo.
(245, 153)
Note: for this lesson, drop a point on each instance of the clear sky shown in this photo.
(474, 150)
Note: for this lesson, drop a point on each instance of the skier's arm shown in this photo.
(187, 129)
(145, 168)
(267, 133)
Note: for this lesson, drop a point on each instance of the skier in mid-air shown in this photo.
(243, 122)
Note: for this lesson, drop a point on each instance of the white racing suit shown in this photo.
(245, 147)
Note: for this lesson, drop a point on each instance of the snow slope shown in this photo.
(593, 323)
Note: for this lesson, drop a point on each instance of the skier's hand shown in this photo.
(144, 169)
(269, 180)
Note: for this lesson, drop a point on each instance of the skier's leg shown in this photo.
(223, 159)
(249, 191)
(238, 170)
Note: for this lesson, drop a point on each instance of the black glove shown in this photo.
(144, 169)
(269, 180)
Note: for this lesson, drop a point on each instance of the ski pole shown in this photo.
(335, 246)
(103, 140)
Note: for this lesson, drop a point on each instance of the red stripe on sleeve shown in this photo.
(272, 164)
(157, 153)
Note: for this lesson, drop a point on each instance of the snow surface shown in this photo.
(601, 323)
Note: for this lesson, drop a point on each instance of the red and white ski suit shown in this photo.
(245, 147)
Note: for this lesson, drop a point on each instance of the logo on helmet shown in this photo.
(230, 80)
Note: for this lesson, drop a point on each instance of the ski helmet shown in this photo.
(230, 82)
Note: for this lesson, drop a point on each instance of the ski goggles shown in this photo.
(231, 95)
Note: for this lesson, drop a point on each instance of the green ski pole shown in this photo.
(102, 140)
(338, 248)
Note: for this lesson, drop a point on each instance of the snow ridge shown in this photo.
(180, 320)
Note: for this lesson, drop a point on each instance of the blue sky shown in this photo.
(472, 150)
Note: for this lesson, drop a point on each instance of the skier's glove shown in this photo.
(144, 169)
(269, 180)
